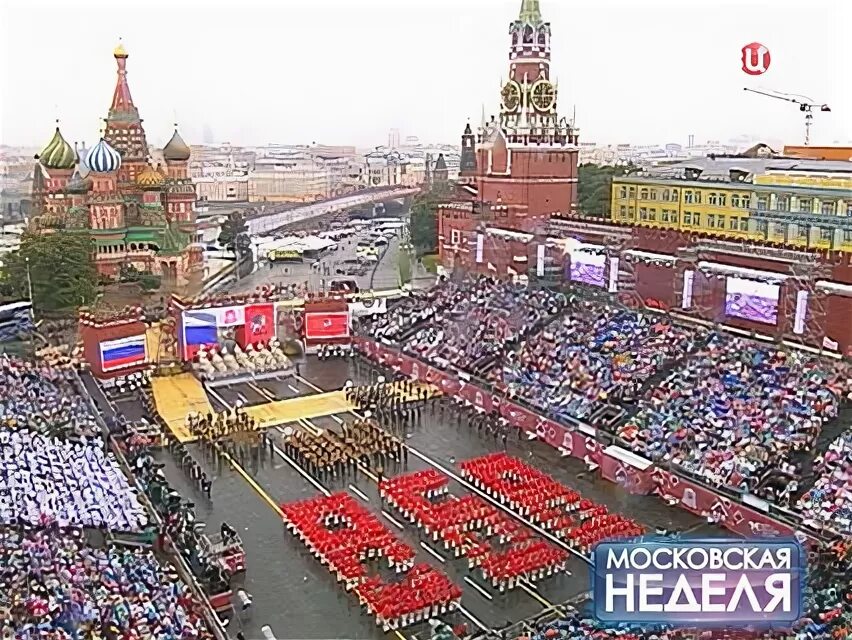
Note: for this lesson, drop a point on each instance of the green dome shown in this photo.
(58, 154)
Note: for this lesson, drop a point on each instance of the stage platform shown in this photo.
(275, 414)
(175, 397)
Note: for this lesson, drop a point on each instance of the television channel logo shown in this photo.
(756, 59)
(710, 583)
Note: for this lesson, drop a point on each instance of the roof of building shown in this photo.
(78, 183)
(530, 13)
(711, 169)
(176, 149)
(819, 153)
(102, 158)
(150, 178)
(58, 154)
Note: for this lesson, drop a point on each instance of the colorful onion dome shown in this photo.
(150, 178)
(119, 51)
(176, 150)
(58, 154)
(102, 158)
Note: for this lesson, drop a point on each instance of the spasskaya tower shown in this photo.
(520, 166)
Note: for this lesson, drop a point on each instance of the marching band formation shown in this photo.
(327, 454)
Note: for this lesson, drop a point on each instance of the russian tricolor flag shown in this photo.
(199, 328)
(123, 352)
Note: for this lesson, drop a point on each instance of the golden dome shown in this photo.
(119, 51)
(176, 150)
(150, 178)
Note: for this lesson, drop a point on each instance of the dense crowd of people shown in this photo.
(212, 427)
(737, 410)
(57, 587)
(57, 476)
(468, 325)
(331, 455)
(45, 480)
(829, 502)
(42, 398)
(590, 356)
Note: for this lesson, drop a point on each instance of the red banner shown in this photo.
(690, 495)
(327, 326)
(260, 325)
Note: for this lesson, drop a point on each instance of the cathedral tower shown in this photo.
(124, 131)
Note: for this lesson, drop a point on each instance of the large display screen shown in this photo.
(588, 268)
(752, 300)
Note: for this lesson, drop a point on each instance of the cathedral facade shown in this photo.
(520, 167)
(138, 214)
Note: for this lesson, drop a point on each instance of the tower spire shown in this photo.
(530, 13)
(122, 102)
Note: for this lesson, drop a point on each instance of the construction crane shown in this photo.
(806, 106)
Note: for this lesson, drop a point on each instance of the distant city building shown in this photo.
(221, 182)
(304, 174)
(757, 195)
(393, 139)
(136, 213)
(385, 168)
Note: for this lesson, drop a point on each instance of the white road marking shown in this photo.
(262, 391)
(467, 614)
(432, 552)
(390, 517)
(242, 398)
(473, 584)
(336, 419)
(531, 585)
(359, 493)
(309, 383)
(304, 473)
(220, 399)
(292, 388)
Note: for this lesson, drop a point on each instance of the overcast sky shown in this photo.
(346, 71)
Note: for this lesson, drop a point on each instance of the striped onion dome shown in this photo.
(58, 154)
(102, 158)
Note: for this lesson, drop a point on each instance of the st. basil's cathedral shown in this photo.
(137, 213)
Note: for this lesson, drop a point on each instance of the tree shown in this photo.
(424, 219)
(596, 187)
(234, 225)
(61, 270)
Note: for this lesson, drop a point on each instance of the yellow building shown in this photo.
(806, 203)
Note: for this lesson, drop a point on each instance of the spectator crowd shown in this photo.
(738, 411)
(56, 477)
(467, 325)
(590, 356)
(42, 398)
(56, 587)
